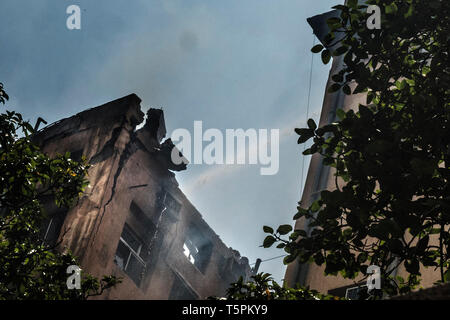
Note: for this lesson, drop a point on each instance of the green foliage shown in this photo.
(30, 269)
(392, 153)
(263, 287)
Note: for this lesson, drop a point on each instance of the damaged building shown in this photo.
(133, 221)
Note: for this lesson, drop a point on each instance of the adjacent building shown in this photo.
(321, 177)
(133, 221)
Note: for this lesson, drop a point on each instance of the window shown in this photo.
(173, 206)
(51, 228)
(352, 292)
(76, 155)
(197, 248)
(181, 291)
(131, 255)
(190, 251)
(355, 293)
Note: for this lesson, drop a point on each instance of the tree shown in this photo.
(263, 287)
(29, 268)
(393, 153)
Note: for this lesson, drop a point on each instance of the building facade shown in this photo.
(133, 221)
(321, 177)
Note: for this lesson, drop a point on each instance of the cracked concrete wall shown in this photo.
(129, 168)
(99, 132)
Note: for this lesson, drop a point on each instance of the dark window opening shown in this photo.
(172, 206)
(356, 293)
(131, 255)
(141, 224)
(76, 155)
(352, 292)
(51, 227)
(181, 291)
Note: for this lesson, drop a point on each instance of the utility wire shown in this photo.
(307, 114)
(284, 255)
(304, 146)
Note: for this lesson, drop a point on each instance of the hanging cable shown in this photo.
(304, 145)
(307, 115)
(284, 255)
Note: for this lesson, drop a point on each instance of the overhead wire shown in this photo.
(307, 115)
(304, 145)
(284, 255)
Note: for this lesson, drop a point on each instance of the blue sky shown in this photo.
(232, 64)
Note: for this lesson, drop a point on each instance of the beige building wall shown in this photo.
(320, 178)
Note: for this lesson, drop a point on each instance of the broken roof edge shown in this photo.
(111, 109)
(320, 27)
